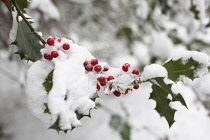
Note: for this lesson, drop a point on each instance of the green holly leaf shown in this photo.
(167, 88)
(22, 4)
(160, 94)
(27, 43)
(177, 68)
(46, 109)
(162, 104)
(125, 131)
(55, 126)
(48, 83)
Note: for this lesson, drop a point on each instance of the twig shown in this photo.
(26, 21)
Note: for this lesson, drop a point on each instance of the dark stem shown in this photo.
(26, 21)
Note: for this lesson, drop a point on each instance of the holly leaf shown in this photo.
(125, 131)
(48, 82)
(162, 104)
(46, 109)
(27, 43)
(194, 10)
(160, 94)
(55, 126)
(22, 4)
(177, 68)
(167, 88)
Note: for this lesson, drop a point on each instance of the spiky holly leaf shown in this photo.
(55, 126)
(22, 4)
(27, 43)
(160, 94)
(48, 82)
(162, 103)
(167, 88)
(176, 68)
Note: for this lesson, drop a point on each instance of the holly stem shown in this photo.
(28, 23)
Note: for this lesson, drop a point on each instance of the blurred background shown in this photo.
(140, 32)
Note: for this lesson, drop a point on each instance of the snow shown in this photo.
(201, 85)
(162, 46)
(73, 86)
(200, 6)
(65, 97)
(13, 31)
(153, 71)
(51, 12)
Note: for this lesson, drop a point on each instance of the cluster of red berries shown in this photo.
(102, 81)
(126, 67)
(93, 65)
(55, 54)
(5, 1)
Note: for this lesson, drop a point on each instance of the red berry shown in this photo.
(48, 56)
(94, 62)
(5, 1)
(135, 72)
(136, 86)
(106, 68)
(97, 68)
(59, 40)
(54, 54)
(125, 67)
(98, 87)
(102, 81)
(89, 68)
(85, 63)
(109, 78)
(66, 46)
(51, 41)
(117, 93)
(126, 91)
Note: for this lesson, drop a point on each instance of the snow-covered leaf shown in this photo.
(27, 43)
(48, 82)
(177, 68)
(56, 127)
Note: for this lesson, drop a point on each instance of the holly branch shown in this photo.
(27, 22)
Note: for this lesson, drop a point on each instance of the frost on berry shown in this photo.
(106, 68)
(61, 91)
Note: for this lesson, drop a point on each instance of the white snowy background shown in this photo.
(96, 24)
